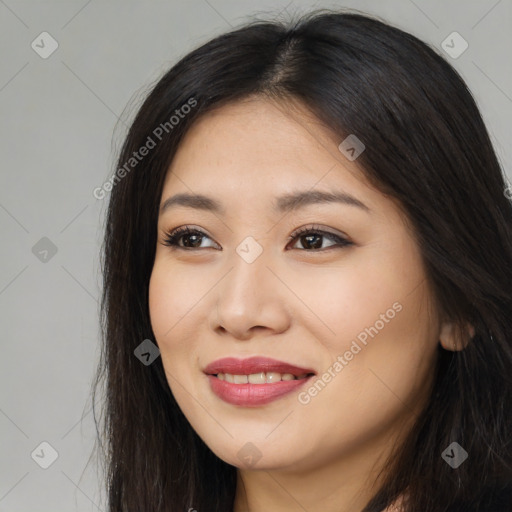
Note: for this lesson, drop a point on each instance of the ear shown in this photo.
(454, 340)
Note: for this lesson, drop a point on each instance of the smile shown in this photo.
(254, 381)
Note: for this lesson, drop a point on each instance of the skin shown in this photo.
(296, 303)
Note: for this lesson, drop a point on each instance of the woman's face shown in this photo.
(346, 299)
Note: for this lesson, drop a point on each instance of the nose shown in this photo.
(250, 300)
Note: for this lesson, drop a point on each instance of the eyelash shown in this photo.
(172, 238)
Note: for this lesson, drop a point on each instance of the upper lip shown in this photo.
(252, 365)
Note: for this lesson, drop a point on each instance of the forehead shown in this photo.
(259, 142)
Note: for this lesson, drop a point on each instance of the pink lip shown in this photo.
(252, 395)
(253, 365)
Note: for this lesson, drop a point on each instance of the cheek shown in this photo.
(376, 312)
(388, 350)
(344, 301)
(161, 305)
(170, 300)
(173, 294)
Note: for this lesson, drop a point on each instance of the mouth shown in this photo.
(256, 370)
(260, 378)
(254, 381)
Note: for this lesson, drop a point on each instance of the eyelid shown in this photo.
(317, 228)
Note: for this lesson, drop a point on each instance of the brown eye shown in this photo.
(191, 238)
(312, 239)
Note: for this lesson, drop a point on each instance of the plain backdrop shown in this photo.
(62, 120)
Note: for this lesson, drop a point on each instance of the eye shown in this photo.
(191, 237)
(312, 237)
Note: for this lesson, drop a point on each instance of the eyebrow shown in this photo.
(282, 204)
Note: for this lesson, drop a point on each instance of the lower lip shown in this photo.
(251, 395)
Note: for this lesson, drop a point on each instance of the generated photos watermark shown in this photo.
(151, 142)
(305, 397)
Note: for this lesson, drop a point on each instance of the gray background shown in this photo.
(62, 120)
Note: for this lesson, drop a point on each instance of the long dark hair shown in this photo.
(427, 147)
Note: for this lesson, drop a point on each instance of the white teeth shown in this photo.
(258, 378)
(273, 377)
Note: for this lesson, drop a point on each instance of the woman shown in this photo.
(308, 225)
